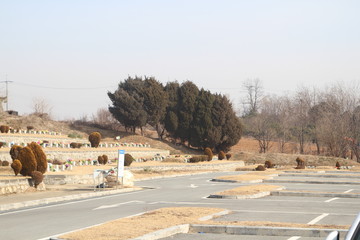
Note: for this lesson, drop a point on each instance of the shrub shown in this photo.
(2, 144)
(300, 163)
(4, 129)
(100, 159)
(260, 168)
(5, 163)
(0, 163)
(94, 139)
(29, 128)
(128, 160)
(199, 158)
(57, 162)
(228, 156)
(209, 153)
(105, 158)
(268, 164)
(337, 165)
(221, 155)
(75, 145)
(28, 161)
(16, 166)
(39, 156)
(37, 178)
(14, 152)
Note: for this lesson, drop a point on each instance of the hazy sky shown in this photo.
(71, 52)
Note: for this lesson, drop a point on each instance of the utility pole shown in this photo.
(7, 92)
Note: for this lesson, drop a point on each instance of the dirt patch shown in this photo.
(166, 217)
(249, 190)
(245, 177)
(127, 228)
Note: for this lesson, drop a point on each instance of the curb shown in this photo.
(167, 232)
(319, 175)
(234, 181)
(312, 182)
(44, 201)
(265, 231)
(314, 194)
(257, 195)
(249, 196)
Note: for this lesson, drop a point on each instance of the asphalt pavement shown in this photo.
(53, 219)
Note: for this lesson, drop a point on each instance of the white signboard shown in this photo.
(121, 162)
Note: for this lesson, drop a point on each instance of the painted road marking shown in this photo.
(116, 205)
(332, 199)
(294, 238)
(317, 219)
(350, 190)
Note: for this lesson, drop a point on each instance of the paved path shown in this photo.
(53, 219)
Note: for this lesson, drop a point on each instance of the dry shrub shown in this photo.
(28, 161)
(128, 160)
(37, 178)
(260, 168)
(174, 160)
(16, 166)
(2, 144)
(0, 163)
(199, 158)
(300, 163)
(14, 152)
(94, 139)
(228, 156)
(268, 164)
(100, 159)
(39, 156)
(57, 162)
(105, 159)
(209, 153)
(221, 155)
(337, 165)
(29, 128)
(4, 129)
(75, 145)
(5, 163)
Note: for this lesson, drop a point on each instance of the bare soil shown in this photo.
(164, 218)
(249, 190)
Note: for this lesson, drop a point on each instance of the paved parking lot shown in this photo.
(292, 209)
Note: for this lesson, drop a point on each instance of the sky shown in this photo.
(70, 53)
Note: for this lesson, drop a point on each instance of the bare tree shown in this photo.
(254, 94)
(41, 107)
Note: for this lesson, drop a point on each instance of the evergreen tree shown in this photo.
(188, 93)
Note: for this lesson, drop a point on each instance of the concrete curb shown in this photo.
(309, 181)
(234, 181)
(266, 231)
(167, 232)
(314, 194)
(318, 175)
(249, 196)
(206, 218)
(44, 201)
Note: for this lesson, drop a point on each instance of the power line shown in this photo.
(62, 88)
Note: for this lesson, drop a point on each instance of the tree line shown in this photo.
(182, 112)
(328, 119)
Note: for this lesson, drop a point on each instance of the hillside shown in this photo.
(246, 150)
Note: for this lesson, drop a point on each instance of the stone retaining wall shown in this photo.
(75, 154)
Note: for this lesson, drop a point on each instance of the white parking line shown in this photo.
(332, 199)
(350, 190)
(294, 238)
(317, 219)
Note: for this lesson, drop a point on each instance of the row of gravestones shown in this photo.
(47, 144)
(69, 165)
(42, 132)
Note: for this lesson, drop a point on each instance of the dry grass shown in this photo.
(245, 177)
(249, 190)
(127, 228)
